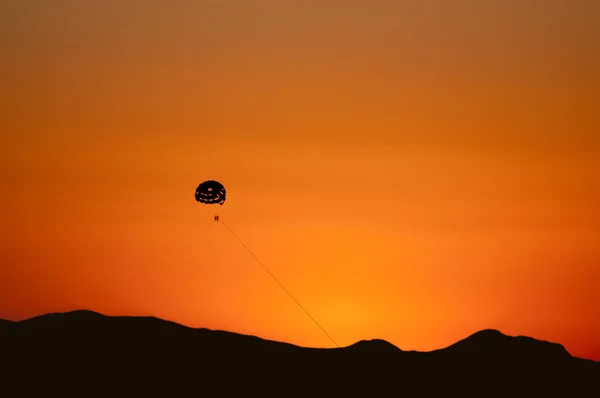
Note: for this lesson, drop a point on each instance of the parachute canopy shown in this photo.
(210, 192)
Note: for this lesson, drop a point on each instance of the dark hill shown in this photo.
(83, 353)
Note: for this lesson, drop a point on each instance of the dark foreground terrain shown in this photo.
(84, 353)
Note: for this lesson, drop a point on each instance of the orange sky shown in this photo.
(412, 171)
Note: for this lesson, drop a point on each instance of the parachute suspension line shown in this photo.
(280, 284)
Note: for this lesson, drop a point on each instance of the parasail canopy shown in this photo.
(210, 192)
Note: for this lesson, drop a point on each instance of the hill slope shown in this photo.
(82, 352)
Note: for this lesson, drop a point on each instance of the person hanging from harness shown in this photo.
(217, 218)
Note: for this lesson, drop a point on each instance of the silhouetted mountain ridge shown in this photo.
(375, 345)
(5, 324)
(494, 342)
(137, 352)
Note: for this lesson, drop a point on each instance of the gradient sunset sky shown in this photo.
(410, 170)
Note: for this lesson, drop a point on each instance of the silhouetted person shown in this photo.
(217, 218)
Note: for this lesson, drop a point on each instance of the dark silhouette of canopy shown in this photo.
(210, 192)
